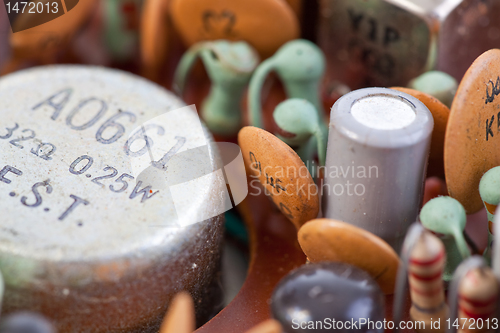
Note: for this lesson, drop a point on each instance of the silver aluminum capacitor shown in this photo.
(83, 240)
(378, 145)
(389, 42)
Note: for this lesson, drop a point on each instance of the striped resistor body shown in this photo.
(425, 273)
(478, 293)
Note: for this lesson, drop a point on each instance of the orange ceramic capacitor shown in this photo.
(440, 113)
(268, 326)
(477, 301)
(42, 42)
(332, 240)
(297, 6)
(180, 316)
(281, 172)
(425, 271)
(264, 24)
(154, 33)
(472, 141)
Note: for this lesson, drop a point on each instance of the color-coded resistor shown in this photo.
(472, 297)
(425, 271)
(477, 298)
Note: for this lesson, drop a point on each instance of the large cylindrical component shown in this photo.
(378, 146)
(85, 238)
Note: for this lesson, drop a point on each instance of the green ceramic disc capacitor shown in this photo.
(446, 216)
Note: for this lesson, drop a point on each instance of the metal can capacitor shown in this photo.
(84, 238)
(378, 146)
(390, 42)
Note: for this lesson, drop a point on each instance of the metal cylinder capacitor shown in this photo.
(378, 146)
(85, 238)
